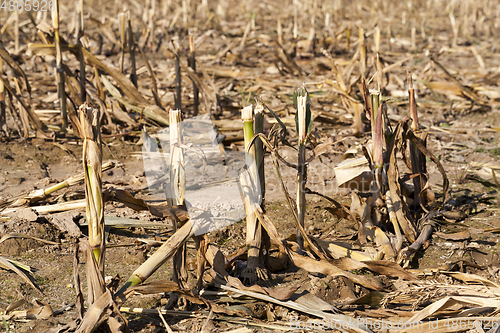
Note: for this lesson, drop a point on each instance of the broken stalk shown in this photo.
(177, 191)
(302, 105)
(254, 230)
(416, 157)
(59, 66)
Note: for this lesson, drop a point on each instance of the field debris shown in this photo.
(249, 167)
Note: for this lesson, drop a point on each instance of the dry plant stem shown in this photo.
(412, 104)
(377, 141)
(362, 52)
(121, 19)
(279, 30)
(192, 64)
(131, 44)
(368, 108)
(175, 49)
(32, 115)
(59, 66)
(2, 105)
(16, 31)
(41, 194)
(177, 191)
(154, 86)
(79, 28)
(259, 159)
(165, 252)
(83, 94)
(377, 39)
(401, 209)
(167, 327)
(259, 148)
(302, 166)
(94, 209)
(76, 204)
(467, 91)
(394, 220)
(253, 239)
(92, 165)
(416, 156)
(22, 112)
(406, 255)
(289, 201)
(178, 98)
(79, 34)
(201, 247)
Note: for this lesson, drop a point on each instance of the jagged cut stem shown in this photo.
(377, 151)
(253, 239)
(417, 159)
(131, 45)
(376, 121)
(362, 52)
(121, 19)
(412, 103)
(165, 252)
(301, 163)
(177, 190)
(192, 64)
(59, 66)
(177, 167)
(259, 146)
(92, 166)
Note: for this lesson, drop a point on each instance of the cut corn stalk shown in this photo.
(378, 145)
(59, 66)
(254, 231)
(121, 21)
(177, 168)
(259, 159)
(417, 158)
(192, 64)
(131, 46)
(177, 192)
(165, 252)
(304, 124)
(362, 52)
(178, 98)
(41, 194)
(92, 165)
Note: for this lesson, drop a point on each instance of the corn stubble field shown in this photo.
(366, 138)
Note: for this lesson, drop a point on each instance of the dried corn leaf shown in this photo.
(473, 278)
(216, 260)
(97, 313)
(337, 251)
(37, 195)
(384, 243)
(5, 55)
(458, 236)
(15, 235)
(353, 173)
(140, 106)
(341, 319)
(313, 265)
(403, 215)
(449, 301)
(40, 311)
(32, 115)
(6, 264)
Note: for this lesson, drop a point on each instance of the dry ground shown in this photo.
(463, 134)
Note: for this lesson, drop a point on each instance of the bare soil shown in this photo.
(461, 134)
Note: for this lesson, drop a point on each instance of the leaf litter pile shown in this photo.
(343, 179)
